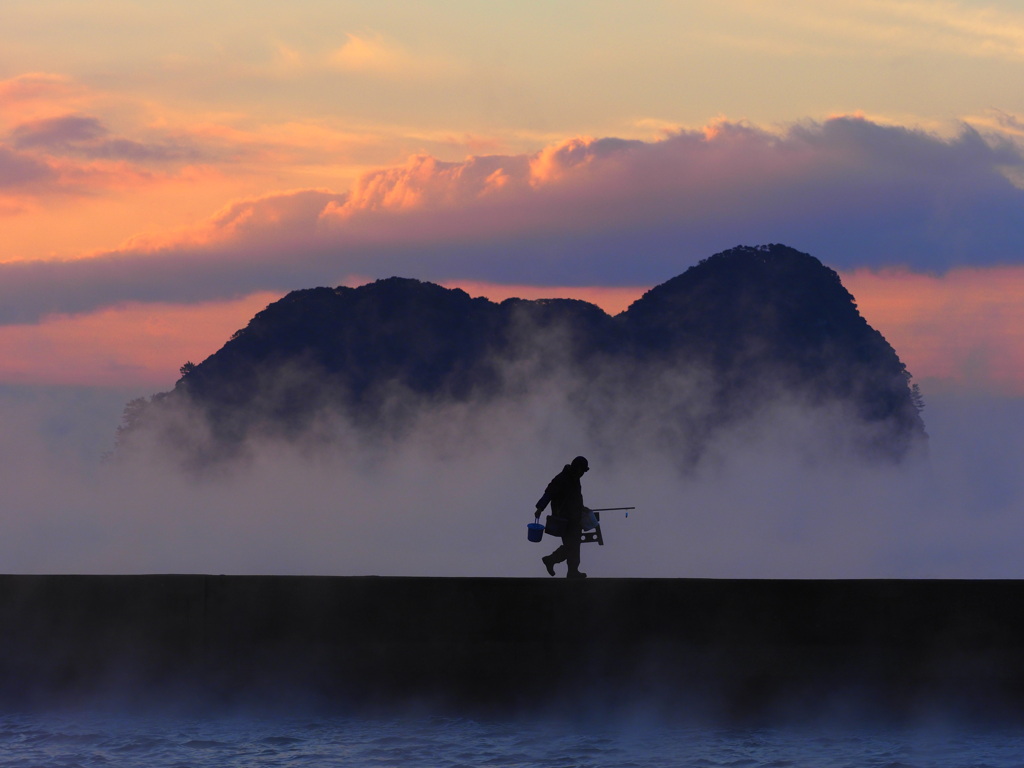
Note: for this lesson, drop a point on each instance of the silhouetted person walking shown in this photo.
(566, 497)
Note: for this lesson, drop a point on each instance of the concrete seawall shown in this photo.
(506, 645)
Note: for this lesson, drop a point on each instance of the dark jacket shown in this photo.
(566, 496)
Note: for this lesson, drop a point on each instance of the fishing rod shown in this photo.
(614, 509)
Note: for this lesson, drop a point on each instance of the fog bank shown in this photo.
(773, 498)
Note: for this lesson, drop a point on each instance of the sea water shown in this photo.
(95, 739)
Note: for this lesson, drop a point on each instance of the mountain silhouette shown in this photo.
(709, 348)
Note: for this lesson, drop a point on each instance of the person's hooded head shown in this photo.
(579, 465)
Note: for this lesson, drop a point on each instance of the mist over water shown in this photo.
(776, 496)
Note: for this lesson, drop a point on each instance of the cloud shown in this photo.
(75, 155)
(378, 56)
(852, 191)
(87, 136)
(49, 164)
(61, 140)
(28, 91)
(29, 179)
(1009, 122)
(582, 212)
(18, 170)
(59, 132)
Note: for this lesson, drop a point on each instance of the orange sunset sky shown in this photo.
(165, 172)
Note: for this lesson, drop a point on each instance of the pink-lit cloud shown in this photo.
(376, 55)
(61, 141)
(87, 136)
(20, 171)
(583, 212)
(53, 158)
(38, 95)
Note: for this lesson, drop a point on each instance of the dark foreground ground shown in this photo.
(718, 647)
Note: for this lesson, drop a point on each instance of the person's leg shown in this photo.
(571, 547)
(558, 556)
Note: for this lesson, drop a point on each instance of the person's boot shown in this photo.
(576, 575)
(549, 564)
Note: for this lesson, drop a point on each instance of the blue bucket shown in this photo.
(534, 531)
